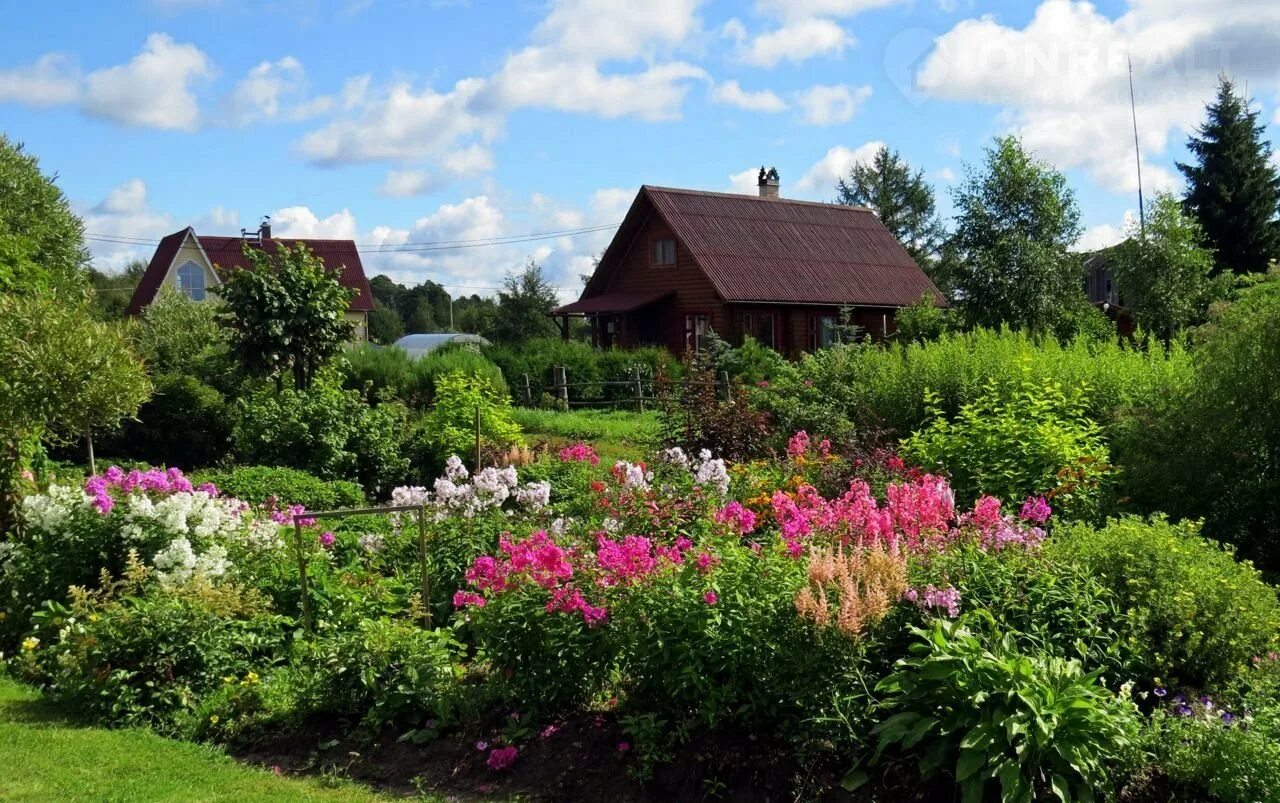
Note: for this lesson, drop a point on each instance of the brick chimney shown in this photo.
(768, 182)
(264, 229)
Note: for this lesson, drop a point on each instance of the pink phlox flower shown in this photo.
(1035, 510)
(579, 453)
(624, 562)
(501, 758)
(705, 561)
(462, 599)
(741, 519)
(798, 444)
(327, 539)
(944, 600)
(711, 598)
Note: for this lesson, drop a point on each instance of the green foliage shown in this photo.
(695, 417)
(923, 321)
(389, 373)
(325, 430)
(284, 313)
(450, 427)
(1212, 450)
(41, 240)
(178, 335)
(525, 303)
(848, 389)
(385, 326)
(1206, 759)
(1233, 188)
(186, 423)
(1164, 277)
(289, 486)
(1039, 441)
(751, 363)
(1199, 616)
(61, 373)
(902, 200)
(1079, 319)
(583, 365)
(1015, 219)
(591, 426)
(992, 716)
(112, 291)
(143, 657)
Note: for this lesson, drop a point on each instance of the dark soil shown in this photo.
(580, 762)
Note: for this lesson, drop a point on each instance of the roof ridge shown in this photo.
(744, 196)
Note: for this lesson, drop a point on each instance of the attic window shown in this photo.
(191, 280)
(664, 253)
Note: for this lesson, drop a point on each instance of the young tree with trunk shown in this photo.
(524, 308)
(1008, 259)
(285, 313)
(1233, 189)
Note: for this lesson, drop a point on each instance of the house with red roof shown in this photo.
(685, 262)
(194, 264)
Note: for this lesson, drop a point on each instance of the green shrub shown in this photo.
(993, 717)
(1205, 755)
(288, 486)
(923, 321)
(751, 363)
(391, 374)
(185, 424)
(860, 388)
(1039, 441)
(324, 430)
(583, 364)
(1199, 616)
(450, 427)
(133, 655)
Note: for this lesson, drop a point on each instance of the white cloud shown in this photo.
(400, 125)
(803, 9)
(124, 213)
(746, 182)
(820, 180)
(53, 80)
(832, 105)
(469, 161)
(946, 174)
(1062, 80)
(407, 183)
(275, 89)
(153, 90)
(796, 42)
(731, 94)
(300, 221)
(1105, 235)
(598, 30)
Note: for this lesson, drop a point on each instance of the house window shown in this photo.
(696, 328)
(822, 331)
(191, 280)
(664, 253)
(761, 326)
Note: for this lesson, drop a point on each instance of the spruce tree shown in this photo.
(1232, 188)
(902, 200)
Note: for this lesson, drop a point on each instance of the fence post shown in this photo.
(477, 439)
(561, 382)
(422, 560)
(302, 576)
(528, 392)
(724, 385)
(635, 374)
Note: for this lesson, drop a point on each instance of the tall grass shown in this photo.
(861, 387)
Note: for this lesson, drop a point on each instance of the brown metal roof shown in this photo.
(227, 253)
(777, 250)
(612, 302)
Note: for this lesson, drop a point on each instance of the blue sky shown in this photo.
(393, 122)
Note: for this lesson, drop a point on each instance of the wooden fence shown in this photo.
(634, 392)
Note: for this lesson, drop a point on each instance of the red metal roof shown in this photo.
(612, 302)
(777, 250)
(226, 253)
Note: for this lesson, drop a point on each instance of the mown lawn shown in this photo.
(615, 434)
(46, 757)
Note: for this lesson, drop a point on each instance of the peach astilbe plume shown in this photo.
(866, 581)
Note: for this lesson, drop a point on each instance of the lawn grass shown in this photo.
(615, 434)
(46, 757)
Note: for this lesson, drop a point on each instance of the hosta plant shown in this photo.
(995, 718)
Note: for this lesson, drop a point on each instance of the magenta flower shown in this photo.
(624, 747)
(501, 758)
(482, 745)
(1036, 510)
(710, 598)
(327, 539)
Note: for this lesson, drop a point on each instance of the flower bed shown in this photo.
(678, 600)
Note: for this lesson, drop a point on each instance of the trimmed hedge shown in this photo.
(288, 485)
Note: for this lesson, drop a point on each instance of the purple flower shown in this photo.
(1180, 698)
(1228, 717)
(1035, 509)
(482, 745)
(327, 539)
(1182, 710)
(1206, 702)
(1160, 691)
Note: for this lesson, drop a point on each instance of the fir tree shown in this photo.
(1233, 190)
(902, 200)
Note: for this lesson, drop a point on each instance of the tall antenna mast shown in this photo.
(1137, 153)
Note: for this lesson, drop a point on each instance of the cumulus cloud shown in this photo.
(153, 90)
(745, 182)
(52, 81)
(796, 42)
(731, 94)
(1062, 80)
(804, 9)
(274, 90)
(126, 213)
(832, 105)
(407, 183)
(820, 180)
(300, 221)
